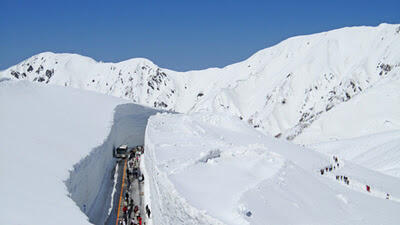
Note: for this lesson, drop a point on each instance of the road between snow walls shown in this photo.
(91, 182)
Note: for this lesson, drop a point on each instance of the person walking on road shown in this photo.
(124, 209)
(141, 178)
(148, 211)
(137, 214)
(127, 196)
(129, 210)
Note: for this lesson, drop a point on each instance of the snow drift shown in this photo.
(215, 169)
(378, 151)
(45, 131)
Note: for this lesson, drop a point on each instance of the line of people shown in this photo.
(335, 165)
(131, 211)
(343, 178)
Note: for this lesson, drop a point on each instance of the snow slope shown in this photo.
(280, 90)
(365, 130)
(377, 110)
(211, 167)
(379, 151)
(215, 169)
(56, 152)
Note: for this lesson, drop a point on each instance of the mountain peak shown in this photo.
(282, 89)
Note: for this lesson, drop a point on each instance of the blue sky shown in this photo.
(179, 35)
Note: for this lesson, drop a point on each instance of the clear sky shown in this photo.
(179, 35)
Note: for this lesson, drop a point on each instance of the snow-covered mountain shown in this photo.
(336, 92)
(281, 90)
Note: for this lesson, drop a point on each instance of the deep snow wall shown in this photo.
(91, 181)
(45, 130)
(169, 207)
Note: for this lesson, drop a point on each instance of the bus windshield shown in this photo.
(121, 150)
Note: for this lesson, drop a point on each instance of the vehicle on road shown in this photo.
(121, 152)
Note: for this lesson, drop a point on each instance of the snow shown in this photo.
(114, 190)
(375, 151)
(56, 152)
(376, 111)
(281, 89)
(331, 93)
(214, 169)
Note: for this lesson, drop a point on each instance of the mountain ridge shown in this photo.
(280, 90)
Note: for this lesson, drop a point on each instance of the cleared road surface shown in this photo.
(136, 192)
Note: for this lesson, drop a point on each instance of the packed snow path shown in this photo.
(333, 171)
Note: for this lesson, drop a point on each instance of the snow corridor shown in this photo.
(94, 183)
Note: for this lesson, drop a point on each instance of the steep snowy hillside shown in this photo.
(136, 79)
(55, 152)
(281, 90)
(215, 169)
(376, 110)
(374, 115)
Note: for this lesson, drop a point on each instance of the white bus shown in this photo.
(121, 152)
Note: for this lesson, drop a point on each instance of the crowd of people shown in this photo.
(130, 209)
